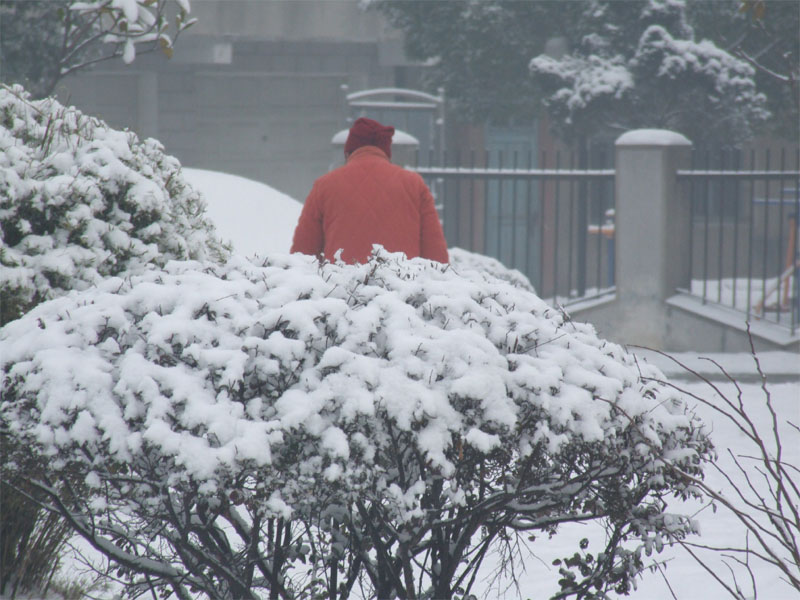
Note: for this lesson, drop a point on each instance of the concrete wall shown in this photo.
(291, 20)
(253, 89)
(652, 249)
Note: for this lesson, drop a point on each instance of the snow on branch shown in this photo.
(80, 201)
(297, 426)
(585, 79)
(123, 24)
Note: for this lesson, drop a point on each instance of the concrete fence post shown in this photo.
(652, 232)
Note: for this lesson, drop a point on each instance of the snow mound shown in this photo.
(80, 201)
(256, 218)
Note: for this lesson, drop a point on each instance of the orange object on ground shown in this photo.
(370, 201)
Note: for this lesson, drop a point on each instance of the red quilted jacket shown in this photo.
(370, 201)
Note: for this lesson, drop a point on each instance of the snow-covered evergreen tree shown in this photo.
(763, 34)
(637, 65)
(304, 428)
(80, 201)
(599, 66)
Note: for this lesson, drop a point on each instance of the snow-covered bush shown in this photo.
(305, 427)
(463, 260)
(80, 201)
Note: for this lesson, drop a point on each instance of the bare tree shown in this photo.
(761, 490)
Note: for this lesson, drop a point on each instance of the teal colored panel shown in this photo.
(513, 207)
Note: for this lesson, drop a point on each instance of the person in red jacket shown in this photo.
(369, 201)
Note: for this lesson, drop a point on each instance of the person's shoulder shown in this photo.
(326, 178)
(403, 171)
(410, 176)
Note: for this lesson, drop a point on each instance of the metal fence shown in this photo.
(744, 244)
(539, 214)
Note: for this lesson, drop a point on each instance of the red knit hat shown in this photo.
(366, 132)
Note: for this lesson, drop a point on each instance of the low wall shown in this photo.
(686, 325)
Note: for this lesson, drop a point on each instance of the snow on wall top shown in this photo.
(254, 217)
(652, 137)
(400, 138)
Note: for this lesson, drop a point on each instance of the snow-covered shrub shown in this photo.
(303, 427)
(80, 201)
(463, 260)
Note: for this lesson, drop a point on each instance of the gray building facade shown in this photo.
(255, 88)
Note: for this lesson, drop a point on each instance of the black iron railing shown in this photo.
(551, 220)
(744, 244)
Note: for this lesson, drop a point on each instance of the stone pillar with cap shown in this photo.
(653, 228)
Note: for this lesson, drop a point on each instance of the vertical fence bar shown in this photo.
(795, 299)
(583, 163)
(598, 209)
(609, 207)
(486, 236)
(456, 183)
(500, 207)
(779, 289)
(692, 214)
(472, 201)
(514, 217)
(543, 194)
(766, 239)
(528, 221)
(600, 212)
(720, 234)
(750, 236)
(451, 222)
(706, 202)
(570, 226)
(736, 167)
(555, 232)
